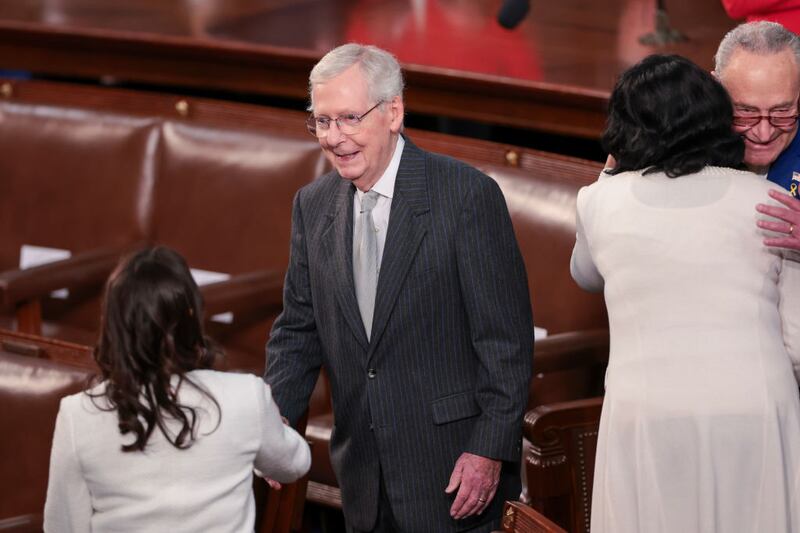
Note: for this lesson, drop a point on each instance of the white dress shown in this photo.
(95, 487)
(700, 429)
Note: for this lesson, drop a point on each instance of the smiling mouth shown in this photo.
(761, 144)
(346, 157)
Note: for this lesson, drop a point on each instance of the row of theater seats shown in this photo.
(94, 172)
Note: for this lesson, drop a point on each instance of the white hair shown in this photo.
(761, 37)
(380, 68)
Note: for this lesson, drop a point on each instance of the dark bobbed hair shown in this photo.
(151, 331)
(668, 115)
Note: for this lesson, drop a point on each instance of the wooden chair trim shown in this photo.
(520, 518)
(31, 345)
(583, 476)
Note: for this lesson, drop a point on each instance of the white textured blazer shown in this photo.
(94, 486)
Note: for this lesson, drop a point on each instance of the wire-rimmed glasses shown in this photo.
(777, 121)
(348, 123)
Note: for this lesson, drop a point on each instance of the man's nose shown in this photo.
(334, 135)
(763, 131)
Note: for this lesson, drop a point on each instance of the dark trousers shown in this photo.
(385, 522)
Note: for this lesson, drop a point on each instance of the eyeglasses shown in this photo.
(777, 121)
(347, 124)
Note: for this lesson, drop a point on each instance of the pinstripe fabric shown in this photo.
(448, 365)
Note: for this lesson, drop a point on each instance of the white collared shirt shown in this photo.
(385, 189)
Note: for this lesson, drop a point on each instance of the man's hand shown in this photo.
(476, 479)
(790, 225)
(271, 482)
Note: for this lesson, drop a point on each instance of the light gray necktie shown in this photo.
(365, 259)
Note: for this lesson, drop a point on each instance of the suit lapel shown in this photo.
(407, 227)
(338, 241)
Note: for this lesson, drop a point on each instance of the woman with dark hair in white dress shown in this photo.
(700, 429)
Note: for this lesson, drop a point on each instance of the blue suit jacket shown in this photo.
(785, 171)
(449, 361)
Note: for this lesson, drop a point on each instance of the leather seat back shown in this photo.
(30, 391)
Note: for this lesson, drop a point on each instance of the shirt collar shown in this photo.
(385, 185)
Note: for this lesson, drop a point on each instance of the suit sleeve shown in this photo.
(294, 350)
(495, 290)
(68, 506)
(283, 454)
(581, 265)
(789, 307)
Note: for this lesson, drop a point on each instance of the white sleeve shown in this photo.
(68, 507)
(581, 265)
(789, 307)
(284, 454)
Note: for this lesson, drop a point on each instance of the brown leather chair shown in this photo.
(98, 171)
(71, 179)
(569, 366)
(542, 204)
(31, 387)
(227, 175)
(540, 189)
(560, 461)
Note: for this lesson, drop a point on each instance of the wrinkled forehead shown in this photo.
(761, 81)
(346, 93)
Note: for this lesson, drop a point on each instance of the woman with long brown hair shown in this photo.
(163, 442)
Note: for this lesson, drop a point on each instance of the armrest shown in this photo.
(87, 268)
(22, 523)
(568, 366)
(564, 351)
(520, 518)
(558, 459)
(244, 292)
(540, 422)
(68, 353)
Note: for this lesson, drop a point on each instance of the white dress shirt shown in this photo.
(385, 189)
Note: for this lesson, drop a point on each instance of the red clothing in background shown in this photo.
(786, 12)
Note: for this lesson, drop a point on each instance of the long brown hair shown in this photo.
(151, 331)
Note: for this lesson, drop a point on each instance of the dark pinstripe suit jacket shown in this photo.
(449, 361)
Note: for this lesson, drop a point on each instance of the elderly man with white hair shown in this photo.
(407, 285)
(759, 65)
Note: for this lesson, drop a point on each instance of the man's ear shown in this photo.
(397, 111)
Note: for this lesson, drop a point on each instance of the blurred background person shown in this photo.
(700, 429)
(163, 443)
(785, 12)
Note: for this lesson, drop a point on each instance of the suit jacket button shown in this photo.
(371, 373)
